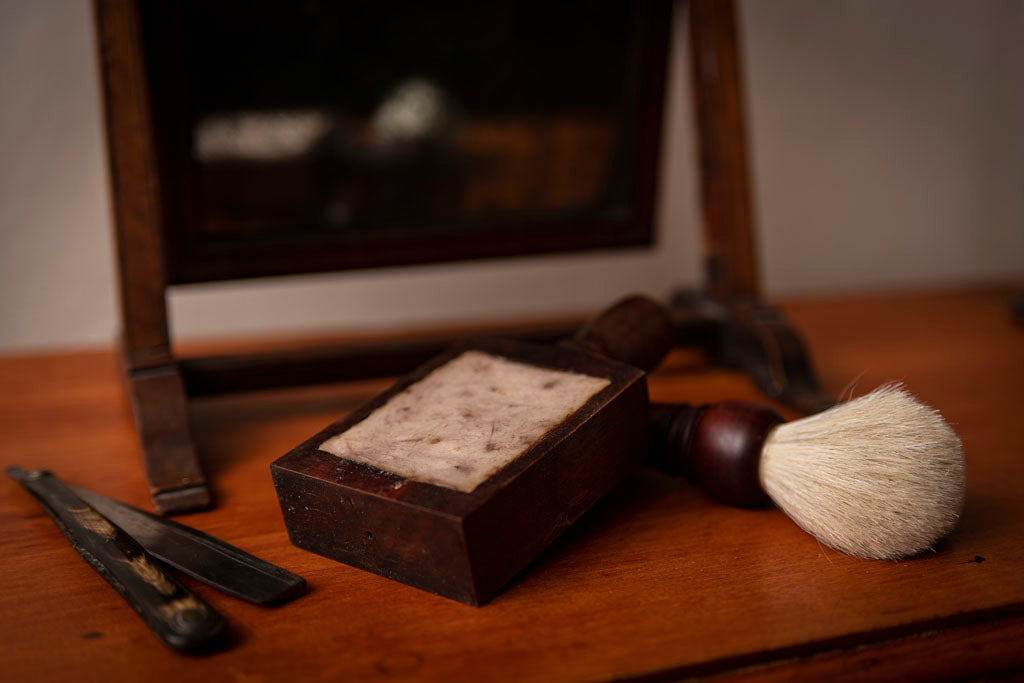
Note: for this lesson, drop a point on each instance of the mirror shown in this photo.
(301, 136)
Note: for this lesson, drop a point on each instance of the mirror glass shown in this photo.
(481, 122)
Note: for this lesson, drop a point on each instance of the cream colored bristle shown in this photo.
(881, 476)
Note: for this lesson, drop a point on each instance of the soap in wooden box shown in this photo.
(463, 471)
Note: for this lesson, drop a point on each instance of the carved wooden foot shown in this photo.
(176, 482)
(754, 337)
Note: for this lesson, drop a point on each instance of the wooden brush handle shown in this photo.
(637, 330)
(716, 446)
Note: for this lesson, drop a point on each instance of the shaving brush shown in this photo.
(881, 476)
(878, 477)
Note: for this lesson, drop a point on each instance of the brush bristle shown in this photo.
(881, 476)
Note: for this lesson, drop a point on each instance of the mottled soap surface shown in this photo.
(465, 420)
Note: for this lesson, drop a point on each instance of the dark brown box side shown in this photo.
(466, 546)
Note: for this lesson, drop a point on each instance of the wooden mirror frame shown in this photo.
(622, 214)
(727, 317)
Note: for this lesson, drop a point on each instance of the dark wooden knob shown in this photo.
(637, 330)
(717, 446)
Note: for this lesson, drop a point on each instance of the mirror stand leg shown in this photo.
(176, 482)
(756, 338)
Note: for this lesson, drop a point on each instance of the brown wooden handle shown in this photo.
(637, 330)
(716, 446)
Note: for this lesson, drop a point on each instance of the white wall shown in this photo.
(888, 151)
(888, 141)
(57, 284)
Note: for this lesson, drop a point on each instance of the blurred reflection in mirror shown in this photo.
(405, 118)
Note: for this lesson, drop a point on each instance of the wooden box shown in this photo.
(466, 545)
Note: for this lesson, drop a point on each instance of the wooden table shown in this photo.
(655, 583)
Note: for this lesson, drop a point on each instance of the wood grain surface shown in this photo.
(656, 582)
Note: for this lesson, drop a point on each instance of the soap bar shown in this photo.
(466, 469)
(465, 420)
